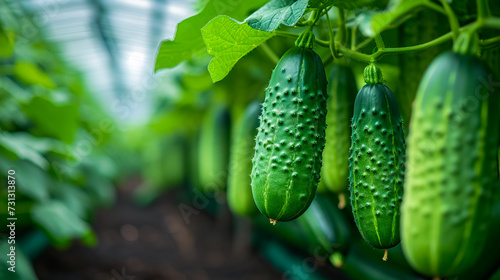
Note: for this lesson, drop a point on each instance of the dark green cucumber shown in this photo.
(239, 189)
(452, 178)
(360, 264)
(488, 260)
(326, 227)
(214, 150)
(376, 163)
(342, 92)
(291, 136)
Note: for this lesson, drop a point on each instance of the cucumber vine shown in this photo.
(338, 34)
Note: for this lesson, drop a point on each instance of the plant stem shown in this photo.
(377, 55)
(379, 42)
(286, 34)
(491, 22)
(269, 52)
(483, 9)
(354, 54)
(364, 43)
(490, 43)
(353, 37)
(341, 34)
(330, 36)
(454, 25)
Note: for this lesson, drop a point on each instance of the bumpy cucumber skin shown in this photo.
(214, 150)
(451, 183)
(342, 92)
(291, 136)
(239, 190)
(376, 165)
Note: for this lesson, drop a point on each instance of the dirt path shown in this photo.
(153, 243)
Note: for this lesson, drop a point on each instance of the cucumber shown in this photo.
(239, 190)
(424, 26)
(488, 260)
(359, 264)
(291, 136)
(326, 227)
(452, 177)
(342, 92)
(214, 150)
(376, 162)
(321, 186)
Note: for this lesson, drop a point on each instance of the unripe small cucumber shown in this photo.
(214, 150)
(342, 92)
(291, 136)
(376, 163)
(239, 189)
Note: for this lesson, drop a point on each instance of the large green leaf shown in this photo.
(45, 145)
(73, 197)
(61, 224)
(31, 180)
(188, 39)
(228, 41)
(53, 120)
(372, 23)
(276, 12)
(12, 148)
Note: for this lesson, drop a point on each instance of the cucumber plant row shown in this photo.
(450, 178)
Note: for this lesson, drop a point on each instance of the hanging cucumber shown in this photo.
(291, 136)
(214, 150)
(452, 179)
(239, 190)
(326, 227)
(342, 91)
(376, 162)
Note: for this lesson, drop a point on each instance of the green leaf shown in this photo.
(12, 148)
(29, 74)
(373, 23)
(73, 197)
(45, 145)
(60, 224)
(188, 39)
(22, 266)
(228, 41)
(53, 120)
(276, 12)
(31, 181)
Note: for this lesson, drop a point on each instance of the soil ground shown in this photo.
(154, 242)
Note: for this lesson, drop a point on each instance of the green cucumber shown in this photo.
(452, 178)
(424, 26)
(326, 227)
(376, 163)
(214, 150)
(239, 189)
(342, 92)
(291, 136)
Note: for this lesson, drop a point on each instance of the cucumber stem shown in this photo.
(272, 221)
(341, 200)
(384, 258)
